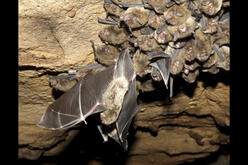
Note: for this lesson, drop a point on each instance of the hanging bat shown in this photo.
(119, 130)
(163, 66)
(110, 92)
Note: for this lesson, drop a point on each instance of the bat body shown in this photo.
(110, 92)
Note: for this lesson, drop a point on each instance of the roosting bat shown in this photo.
(110, 92)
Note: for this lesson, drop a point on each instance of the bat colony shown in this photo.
(158, 38)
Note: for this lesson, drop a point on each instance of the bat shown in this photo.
(112, 9)
(210, 7)
(183, 30)
(135, 17)
(154, 20)
(113, 35)
(176, 15)
(65, 81)
(119, 131)
(110, 92)
(163, 65)
(105, 54)
(162, 35)
(147, 43)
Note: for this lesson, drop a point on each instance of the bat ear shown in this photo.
(124, 66)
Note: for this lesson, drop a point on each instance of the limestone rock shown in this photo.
(54, 37)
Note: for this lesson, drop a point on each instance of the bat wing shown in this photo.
(81, 101)
(129, 106)
(129, 110)
(163, 65)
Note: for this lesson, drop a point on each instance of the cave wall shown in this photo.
(54, 37)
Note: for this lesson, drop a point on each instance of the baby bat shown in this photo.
(110, 92)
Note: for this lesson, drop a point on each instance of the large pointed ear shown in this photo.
(124, 66)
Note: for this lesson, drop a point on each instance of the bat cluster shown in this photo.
(159, 39)
(189, 35)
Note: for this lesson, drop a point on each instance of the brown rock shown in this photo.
(53, 38)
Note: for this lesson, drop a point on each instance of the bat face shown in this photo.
(135, 17)
(62, 82)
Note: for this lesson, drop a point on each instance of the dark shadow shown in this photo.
(87, 146)
(213, 79)
(56, 93)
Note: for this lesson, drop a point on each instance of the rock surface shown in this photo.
(54, 37)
